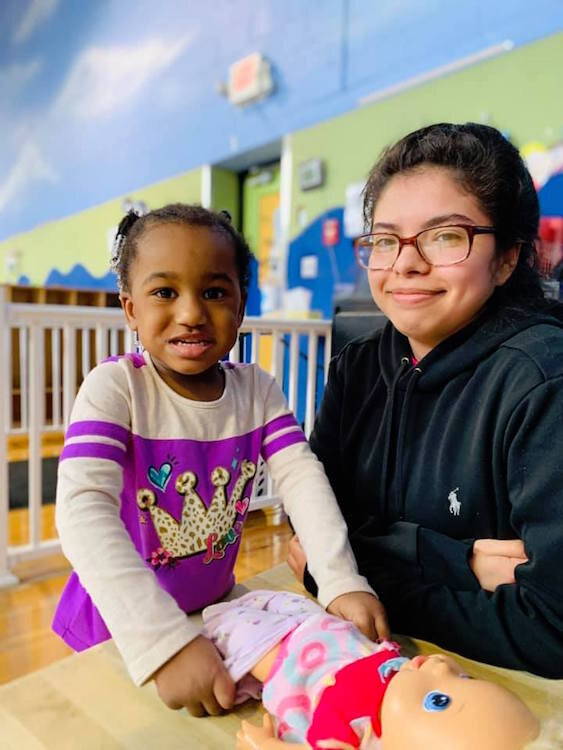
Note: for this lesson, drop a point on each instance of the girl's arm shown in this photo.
(144, 620)
(309, 500)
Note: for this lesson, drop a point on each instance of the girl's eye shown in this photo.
(436, 701)
(164, 293)
(214, 293)
(385, 242)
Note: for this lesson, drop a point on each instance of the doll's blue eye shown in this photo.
(436, 701)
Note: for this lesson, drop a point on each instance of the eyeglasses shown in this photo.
(439, 246)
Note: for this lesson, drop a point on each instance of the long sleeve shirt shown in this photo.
(153, 491)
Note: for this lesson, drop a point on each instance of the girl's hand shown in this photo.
(493, 561)
(365, 611)
(296, 558)
(250, 737)
(196, 678)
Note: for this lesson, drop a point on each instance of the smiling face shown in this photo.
(185, 303)
(424, 302)
(431, 703)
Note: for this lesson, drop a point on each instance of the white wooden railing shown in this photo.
(46, 351)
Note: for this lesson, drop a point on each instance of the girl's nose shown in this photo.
(410, 261)
(190, 311)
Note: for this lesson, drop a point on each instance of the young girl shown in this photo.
(159, 459)
(328, 686)
(442, 434)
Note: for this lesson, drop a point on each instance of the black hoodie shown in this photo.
(425, 459)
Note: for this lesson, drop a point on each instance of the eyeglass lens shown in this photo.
(439, 246)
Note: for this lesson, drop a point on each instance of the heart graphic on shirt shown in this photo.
(242, 505)
(160, 477)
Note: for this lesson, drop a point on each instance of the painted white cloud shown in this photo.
(38, 11)
(104, 81)
(16, 76)
(29, 168)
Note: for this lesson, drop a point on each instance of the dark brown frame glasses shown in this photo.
(470, 229)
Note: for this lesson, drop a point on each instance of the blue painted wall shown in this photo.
(336, 265)
(101, 98)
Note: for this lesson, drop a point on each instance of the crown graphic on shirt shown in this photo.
(189, 535)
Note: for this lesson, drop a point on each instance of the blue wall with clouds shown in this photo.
(101, 98)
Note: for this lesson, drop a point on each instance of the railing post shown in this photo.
(311, 393)
(69, 371)
(6, 578)
(293, 387)
(57, 418)
(101, 343)
(36, 427)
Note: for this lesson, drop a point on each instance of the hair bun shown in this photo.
(122, 231)
(127, 222)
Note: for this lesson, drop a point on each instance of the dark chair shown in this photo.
(348, 324)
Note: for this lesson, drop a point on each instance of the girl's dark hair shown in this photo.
(132, 227)
(489, 167)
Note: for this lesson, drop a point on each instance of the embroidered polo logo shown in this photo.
(455, 504)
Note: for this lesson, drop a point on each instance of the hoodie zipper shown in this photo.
(389, 412)
(399, 491)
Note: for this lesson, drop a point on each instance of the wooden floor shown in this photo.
(26, 640)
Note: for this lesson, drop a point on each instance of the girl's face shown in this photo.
(424, 302)
(431, 703)
(185, 303)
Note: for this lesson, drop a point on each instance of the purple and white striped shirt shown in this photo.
(154, 487)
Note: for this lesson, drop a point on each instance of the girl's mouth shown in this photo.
(414, 296)
(191, 348)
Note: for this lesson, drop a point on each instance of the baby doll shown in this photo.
(328, 686)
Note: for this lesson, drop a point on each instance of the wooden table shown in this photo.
(88, 702)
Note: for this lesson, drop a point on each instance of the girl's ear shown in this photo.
(242, 308)
(507, 265)
(129, 310)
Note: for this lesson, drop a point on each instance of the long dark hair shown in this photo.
(489, 167)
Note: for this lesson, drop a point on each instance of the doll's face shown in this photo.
(432, 703)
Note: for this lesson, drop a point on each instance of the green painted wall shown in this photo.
(225, 192)
(519, 93)
(82, 238)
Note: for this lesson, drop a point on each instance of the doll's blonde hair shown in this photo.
(549, 738)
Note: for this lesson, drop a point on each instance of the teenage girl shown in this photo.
(159, 460)
(442, 434)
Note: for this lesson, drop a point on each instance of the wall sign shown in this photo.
(311, 174)
(249, 79)
(331, 232)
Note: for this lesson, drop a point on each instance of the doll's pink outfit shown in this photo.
(317, 687)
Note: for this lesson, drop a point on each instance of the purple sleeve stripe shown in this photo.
(287, 439)
(94, 450)
(101, 429)
(279, 423)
